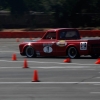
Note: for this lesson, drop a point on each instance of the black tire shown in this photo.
(72, 52)
(30, 52)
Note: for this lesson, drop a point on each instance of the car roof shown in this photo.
(57, 29)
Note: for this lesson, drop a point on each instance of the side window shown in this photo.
(64, 35)
(71, 34)
(50, 35)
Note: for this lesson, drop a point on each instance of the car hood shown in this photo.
(35, 40)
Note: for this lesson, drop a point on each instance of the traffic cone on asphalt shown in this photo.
(35, 76)
(67, 60)
(14, 57)
(25, 64)
(98, 61)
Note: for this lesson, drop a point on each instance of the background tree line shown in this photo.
(66, 13)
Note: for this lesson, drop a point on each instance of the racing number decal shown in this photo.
(83, 45)
(47, 49)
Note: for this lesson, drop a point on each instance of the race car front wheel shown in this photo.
(72, 52)
(30, 52)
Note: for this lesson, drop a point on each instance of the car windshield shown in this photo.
(64, 35)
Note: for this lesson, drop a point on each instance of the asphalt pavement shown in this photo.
(78, 80)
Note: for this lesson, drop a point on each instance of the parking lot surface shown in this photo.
(78, 80)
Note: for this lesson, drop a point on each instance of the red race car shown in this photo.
(61, 42)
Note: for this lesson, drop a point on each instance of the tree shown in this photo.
(3, 4)
(17, 6)
(63, 10)
(34, 5)
(67, 13)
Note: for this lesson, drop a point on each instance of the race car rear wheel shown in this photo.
(30, 52)
(72, 52)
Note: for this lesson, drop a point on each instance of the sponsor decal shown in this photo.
(47, 49)
(83, 45)
(61, 43)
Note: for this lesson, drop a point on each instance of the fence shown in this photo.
(36, 34)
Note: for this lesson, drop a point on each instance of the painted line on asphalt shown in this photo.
(9, 51)
(51, 63)
(7, 44)
(83, 83)
(95, 92)
(97, 84)
(61, 67)
(53, 67)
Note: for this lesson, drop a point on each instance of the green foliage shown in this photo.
(33, 5)
(3, 4)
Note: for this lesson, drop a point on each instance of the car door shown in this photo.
(47, 46)
(65, 38)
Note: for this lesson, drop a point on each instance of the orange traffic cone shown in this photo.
(98, 61)
(14, 57)
(35, 76)
(17, 40)
(25, 64)
(67, 60)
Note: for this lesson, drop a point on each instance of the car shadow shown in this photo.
(53, 57)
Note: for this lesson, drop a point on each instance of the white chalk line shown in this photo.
(95, 92)
(97, 84)
(10, 51)
(53, 67)
(52, 63)
(83, 83)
